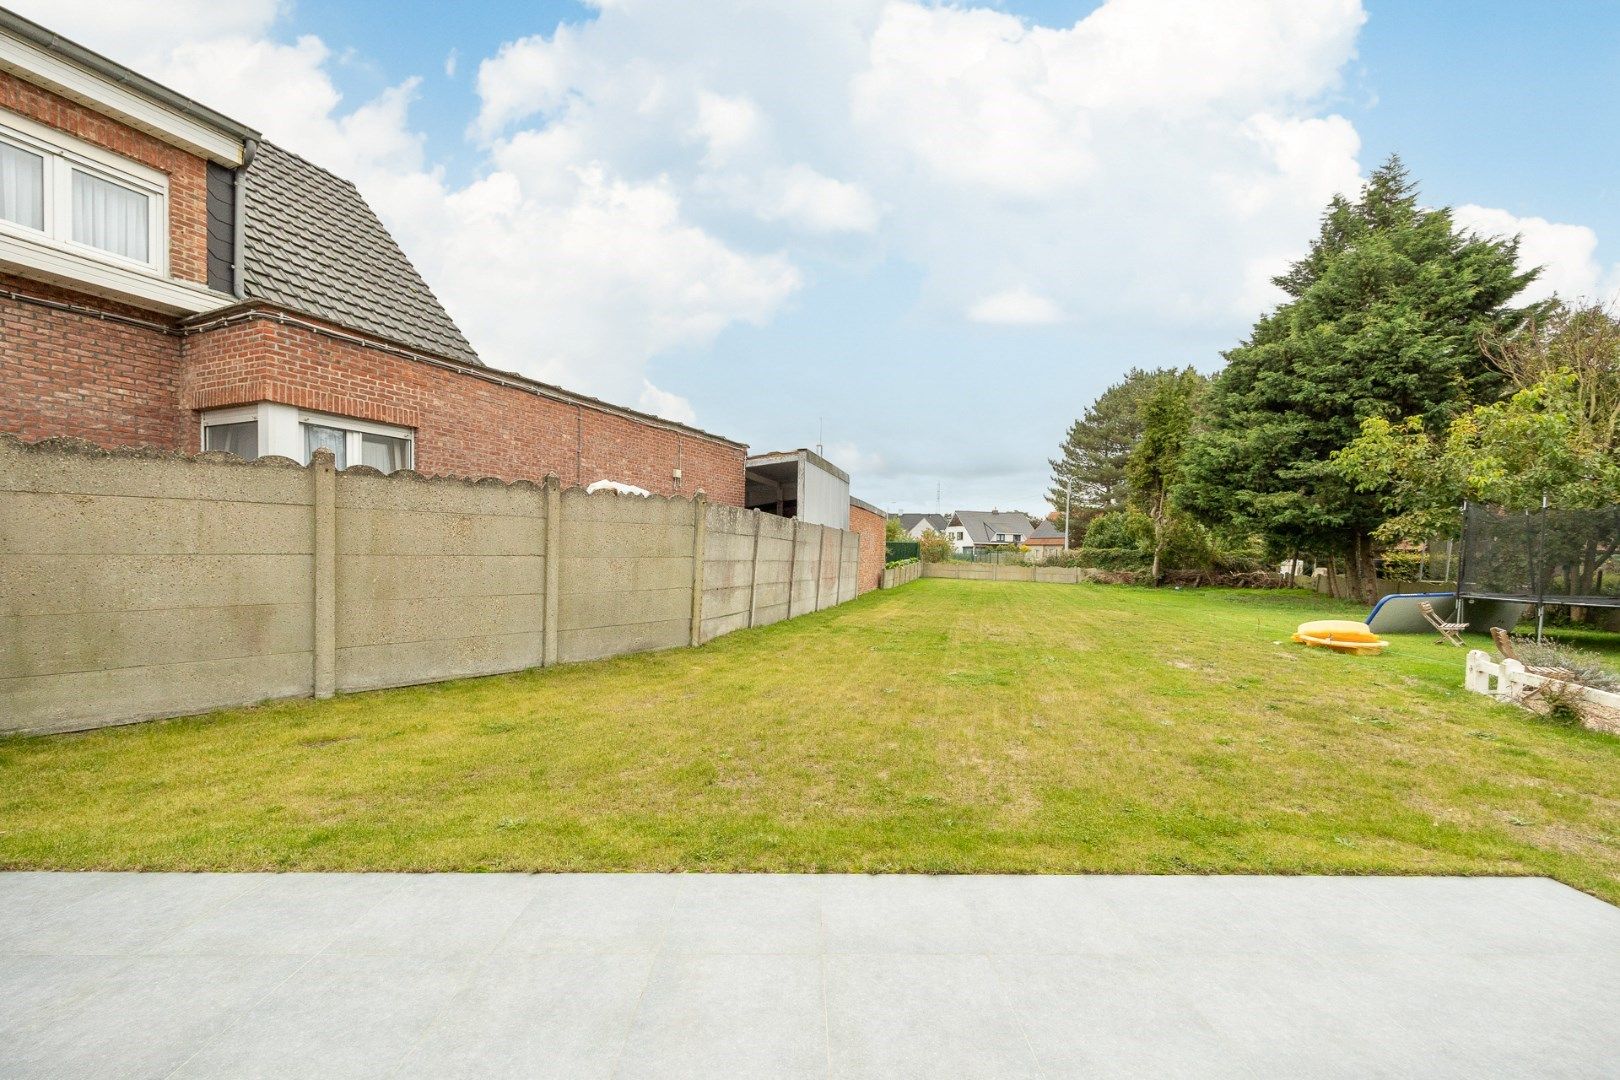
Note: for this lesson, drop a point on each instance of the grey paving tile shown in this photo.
(1284, 1016)
(1252, 916)
(147, 1016)
(335, 1016)
(559, 1016)
(127, 915)
(1500, 915)
(438, 915)
(286, 915)
(1110, 1016)
(868, 914)
(1045, 915)
(892, 1016)
(728, 1015)
(1503, 1015)
(37, 990)
(746, 913)
(32, 899)
(593, 913)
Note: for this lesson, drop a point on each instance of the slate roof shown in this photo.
(936, 522)
(313, 245)
(1046, 531)
(982, 525)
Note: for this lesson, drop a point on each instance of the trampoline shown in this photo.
(1543, 557)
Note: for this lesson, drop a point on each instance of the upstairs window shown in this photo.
(22, 187)
(61, 192)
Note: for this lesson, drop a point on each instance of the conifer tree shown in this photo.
(1384, 318)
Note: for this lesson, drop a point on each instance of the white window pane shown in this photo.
(317, 437)
(22, 186)
(240, 439)
(385, 453)
(109, 216)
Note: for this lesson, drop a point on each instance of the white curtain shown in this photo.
(109, 216)
(22, 186)
(317, 437)
(240, 439)
(383, 452)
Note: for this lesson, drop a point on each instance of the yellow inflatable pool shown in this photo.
(1341, 635)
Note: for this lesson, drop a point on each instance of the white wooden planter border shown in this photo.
(1508, 681)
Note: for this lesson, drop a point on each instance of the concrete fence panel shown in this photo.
(774, 569)
(436, 579)
(135, 585)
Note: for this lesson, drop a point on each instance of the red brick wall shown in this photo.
(63, 373)
(188, 174)
(464, 424)
(871, 529)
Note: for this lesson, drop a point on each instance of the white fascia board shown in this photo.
(35, 65)
(43, 262)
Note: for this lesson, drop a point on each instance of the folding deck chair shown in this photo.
(1450, 631)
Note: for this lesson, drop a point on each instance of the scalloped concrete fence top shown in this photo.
(135, 585)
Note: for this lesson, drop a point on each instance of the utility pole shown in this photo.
(1068, 503)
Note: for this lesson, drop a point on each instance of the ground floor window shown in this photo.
(253, 431)
(240, 438)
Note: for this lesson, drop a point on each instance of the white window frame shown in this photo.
(220, 417)
(352, 430)
(63, 154)
(281, 430)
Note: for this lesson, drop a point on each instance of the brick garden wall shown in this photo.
(188, 174)
(871, 529)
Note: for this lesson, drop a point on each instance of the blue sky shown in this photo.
(933, 234)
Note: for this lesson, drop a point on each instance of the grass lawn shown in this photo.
(944, 726)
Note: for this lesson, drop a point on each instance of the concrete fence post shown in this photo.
(323, 475)
(793, 564)
(700, 530)
(821, 556)
(552, 552)
(753, 570)
(838, 582)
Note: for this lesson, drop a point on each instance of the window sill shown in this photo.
(48, 262)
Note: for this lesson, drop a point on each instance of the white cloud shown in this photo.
(725, 124)
(663, 403)
(649, 176)
(1015, 307)
(855, 460)
(1567, 254)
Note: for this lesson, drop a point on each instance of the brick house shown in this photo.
(168, 278)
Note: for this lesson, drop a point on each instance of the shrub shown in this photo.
(1586, 669)
(933, 547)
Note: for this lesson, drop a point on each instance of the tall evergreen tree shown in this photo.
(1384, 318)
(1097, 447)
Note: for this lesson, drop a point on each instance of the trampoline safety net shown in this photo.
(1548, 556)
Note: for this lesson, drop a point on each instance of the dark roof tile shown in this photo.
(313, 245)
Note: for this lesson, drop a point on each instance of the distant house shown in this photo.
(915, 525)
(969, 529)
(1045, 542)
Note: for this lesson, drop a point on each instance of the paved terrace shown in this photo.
(581, 976)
